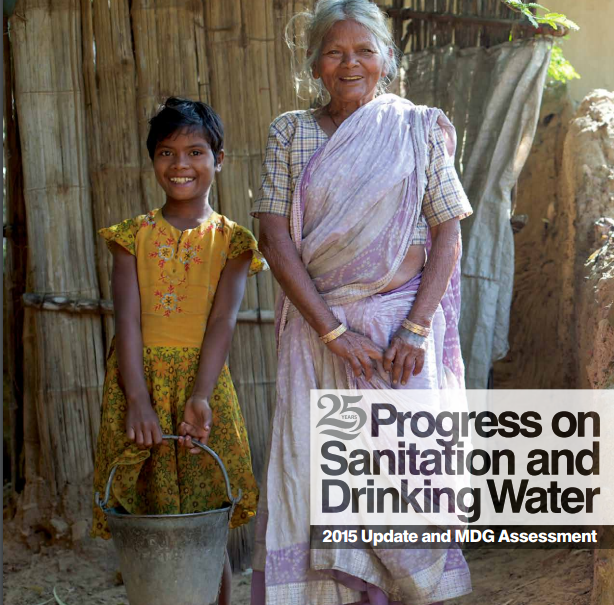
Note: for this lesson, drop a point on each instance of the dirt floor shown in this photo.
(88, 575)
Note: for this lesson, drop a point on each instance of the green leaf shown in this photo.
(532, 19)
(517, 5)
(549, 22)
(560, 69)
(562, 20)
(535, 5)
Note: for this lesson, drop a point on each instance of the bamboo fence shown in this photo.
(63, 355)
(421, 24)
(88, 76)
(85, 76)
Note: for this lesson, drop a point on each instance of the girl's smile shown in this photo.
(182, 180)
(185, 167)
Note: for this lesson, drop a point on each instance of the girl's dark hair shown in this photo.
(184, 114)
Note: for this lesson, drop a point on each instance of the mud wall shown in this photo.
(560, 328)
(596, 321)
(540, 347)
(588, 168)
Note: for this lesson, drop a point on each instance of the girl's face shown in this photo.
(350, 63)
(184, 166)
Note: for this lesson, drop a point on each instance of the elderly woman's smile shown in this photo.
(350, 64)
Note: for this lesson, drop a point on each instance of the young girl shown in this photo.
(179, 275)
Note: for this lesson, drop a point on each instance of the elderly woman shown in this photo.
(349, 196)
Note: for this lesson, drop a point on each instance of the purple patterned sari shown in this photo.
(353, 215)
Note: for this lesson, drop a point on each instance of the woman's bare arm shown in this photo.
(214, 350)
(439, 266)
(277, 247)
(405, 354)
(142, 425)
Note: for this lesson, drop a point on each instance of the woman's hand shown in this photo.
(197, 419)
(358, 350)
(142, 424)
(404, 354)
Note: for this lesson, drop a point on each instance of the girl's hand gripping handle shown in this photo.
(196, 424)
(142, 424)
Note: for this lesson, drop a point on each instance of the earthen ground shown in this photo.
(88, 575)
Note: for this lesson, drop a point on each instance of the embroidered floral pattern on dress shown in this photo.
(189, 254)
(217, 225)
(149, 219)
(169, 301)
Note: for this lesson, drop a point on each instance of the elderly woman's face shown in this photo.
(350, 63)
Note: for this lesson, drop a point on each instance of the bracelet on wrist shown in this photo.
(415, 328)
(333, 334)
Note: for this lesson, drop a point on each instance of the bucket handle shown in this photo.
(233, 501)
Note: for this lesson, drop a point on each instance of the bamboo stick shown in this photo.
(474, 27)
(444, 34)
(67, 304)
(105, 307)
(421, 26)
(431, 24)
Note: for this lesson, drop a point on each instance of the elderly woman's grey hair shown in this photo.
(306, 31)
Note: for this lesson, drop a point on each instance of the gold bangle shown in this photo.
(338, 331)
(415, 328)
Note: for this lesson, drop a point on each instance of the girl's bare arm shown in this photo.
(142, 425)
(214, 350)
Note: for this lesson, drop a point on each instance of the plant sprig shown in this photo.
(560, 69)
(554, 20)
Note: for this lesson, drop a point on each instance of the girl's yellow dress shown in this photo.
(178, 274)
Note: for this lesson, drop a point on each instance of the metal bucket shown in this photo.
(171, 559)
